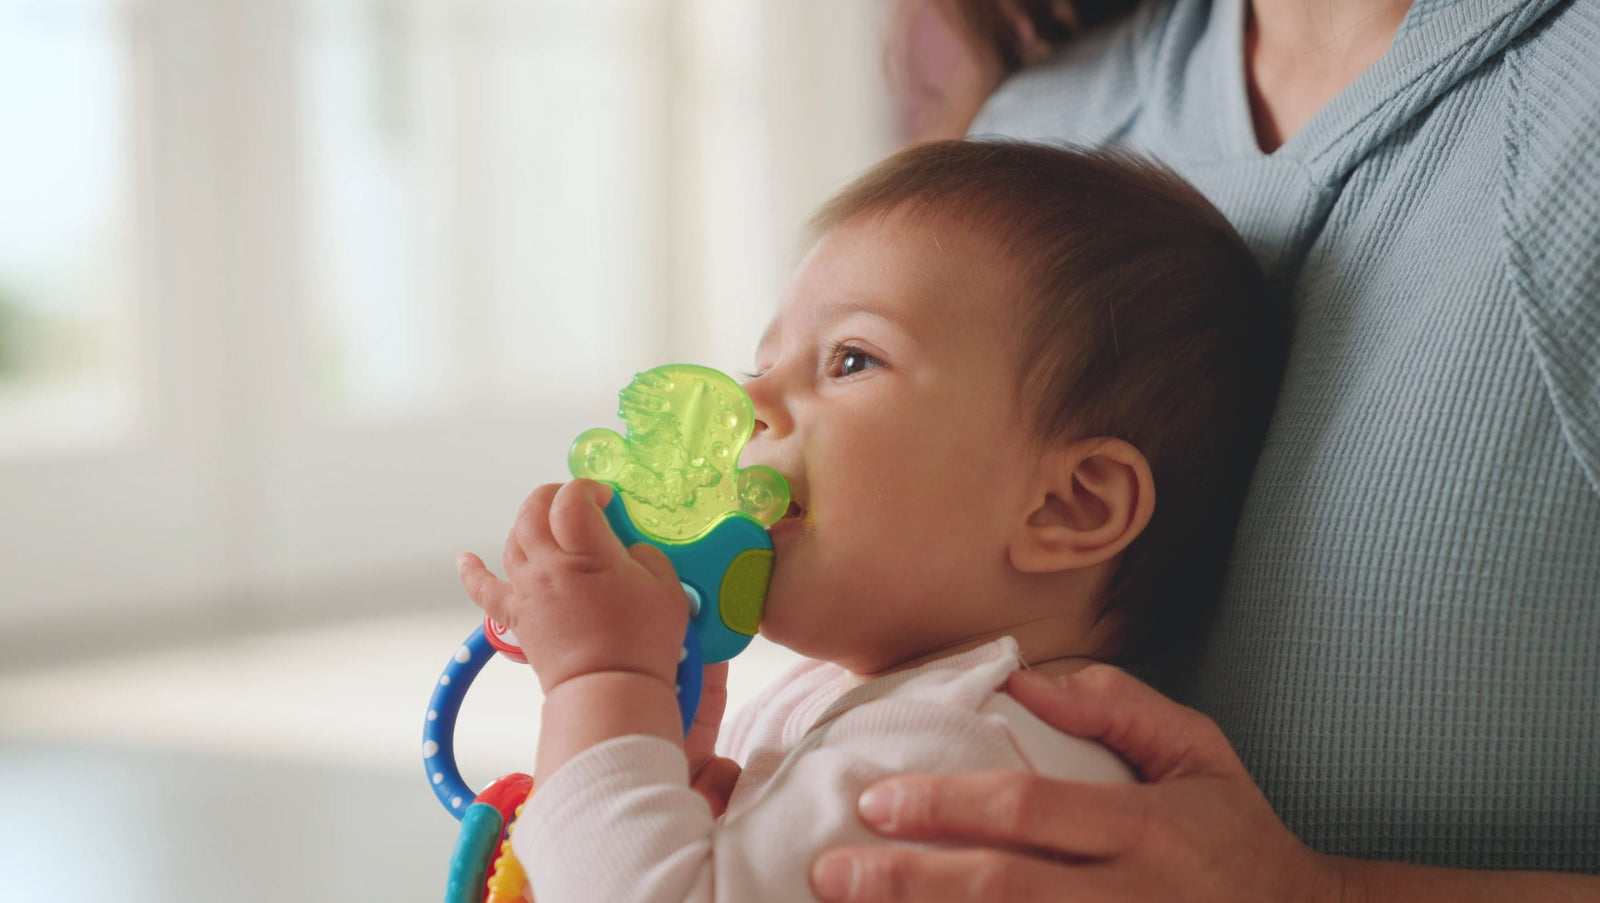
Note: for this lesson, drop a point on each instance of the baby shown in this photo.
(994, 361)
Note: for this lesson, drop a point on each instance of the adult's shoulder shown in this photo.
(1553, 210)
(1090, 90)
(1554, 79)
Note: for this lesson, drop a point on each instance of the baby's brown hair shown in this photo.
(1144, 317)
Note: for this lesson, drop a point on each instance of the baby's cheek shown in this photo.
(787, 594)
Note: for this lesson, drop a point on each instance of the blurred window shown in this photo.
(371, 342)
(66, 309)
(299, 297)
(482, 181)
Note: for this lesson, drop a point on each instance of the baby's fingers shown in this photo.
(578, 522)
(656, 562)
(531, 530)
(488, 592)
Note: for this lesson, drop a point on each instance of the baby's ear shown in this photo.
(1091, 498)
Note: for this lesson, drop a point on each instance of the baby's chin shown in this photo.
(776, 624)
(788, 621)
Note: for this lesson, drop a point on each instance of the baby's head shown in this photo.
(1016, 390)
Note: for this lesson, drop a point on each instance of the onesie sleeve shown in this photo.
(618, 822)
(1053, 754)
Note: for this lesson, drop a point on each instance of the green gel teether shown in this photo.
(678, 468)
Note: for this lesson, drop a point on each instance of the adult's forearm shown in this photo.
(1392, 882)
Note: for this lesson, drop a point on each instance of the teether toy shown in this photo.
(678, 487)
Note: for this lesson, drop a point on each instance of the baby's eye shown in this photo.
(848, 360)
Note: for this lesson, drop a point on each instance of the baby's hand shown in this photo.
(710, 774)
(578, 602)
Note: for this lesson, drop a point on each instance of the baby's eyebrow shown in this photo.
(834, 313)
(843, 310)
(838, 310)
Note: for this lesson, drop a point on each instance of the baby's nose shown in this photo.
(763, 431)
(771, 424)
(767, 404)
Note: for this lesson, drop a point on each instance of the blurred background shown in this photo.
(298, 298)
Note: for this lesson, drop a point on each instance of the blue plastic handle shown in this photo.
(439, 728)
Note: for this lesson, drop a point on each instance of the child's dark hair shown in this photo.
(1144, 317)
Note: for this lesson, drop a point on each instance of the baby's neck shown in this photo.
(1048, 646)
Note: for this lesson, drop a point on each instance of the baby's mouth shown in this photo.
(793, 515)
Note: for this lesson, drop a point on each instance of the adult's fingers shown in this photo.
(1016, 809)
(578, 523)
(1158, 737)
(892, 874)
(488, 592)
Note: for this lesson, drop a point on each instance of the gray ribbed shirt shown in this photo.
(1407, 656)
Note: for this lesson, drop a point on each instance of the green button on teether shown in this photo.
(744, 590)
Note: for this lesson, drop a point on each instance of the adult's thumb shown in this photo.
(1158, 737)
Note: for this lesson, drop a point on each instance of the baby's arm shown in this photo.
(620, 824)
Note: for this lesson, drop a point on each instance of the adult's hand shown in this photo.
(1197, 829)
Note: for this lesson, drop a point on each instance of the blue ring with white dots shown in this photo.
(438, 730)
